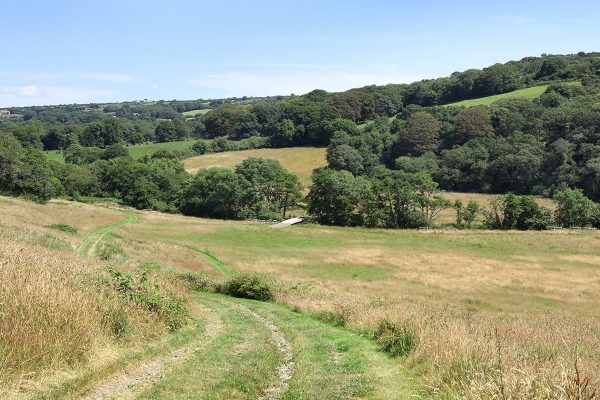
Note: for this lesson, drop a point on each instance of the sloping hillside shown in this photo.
(300, 161)
(527, 93)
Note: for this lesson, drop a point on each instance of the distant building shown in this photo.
(4, 113)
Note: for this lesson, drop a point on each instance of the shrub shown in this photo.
(398, 341)
(339, 317)
(138, 289)
(198, 281)
(248, 286)
(202, 147)
(111, 251)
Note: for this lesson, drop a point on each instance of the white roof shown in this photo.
(287, 222)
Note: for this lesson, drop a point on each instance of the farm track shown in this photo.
(263, 350)
(219, 265)
(94, 238)
(127, 383)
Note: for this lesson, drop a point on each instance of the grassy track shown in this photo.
(241, 360)
(214, 261)
(98, 235)
(329, 362)
(238, 364)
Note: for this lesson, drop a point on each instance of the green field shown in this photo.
(136, 151)
(454, 296)
(55, 155)
(527, 93)
(194, 113)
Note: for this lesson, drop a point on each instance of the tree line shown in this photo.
(380, 135)
(263, 189)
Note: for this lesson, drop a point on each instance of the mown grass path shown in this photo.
(129, 382)
(256, 350)
(244, 363)
(94, 238)
(219, 265)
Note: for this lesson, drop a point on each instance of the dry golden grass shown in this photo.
(58, 311)
(300, 161)
(454, 289)
(500, 315)
(48, 319)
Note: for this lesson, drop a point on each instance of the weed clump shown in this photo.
(111, 251)
(140, 290)
(248, 286)
(200, 282)
(398, 341)
(63, 228)
(338, 317)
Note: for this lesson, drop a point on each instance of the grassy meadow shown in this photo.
(486, 314)
(59, 311)
(194, 113)
(298, 160)
(462, 294)
(527, 93)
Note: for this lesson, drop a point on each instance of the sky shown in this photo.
(64, 52)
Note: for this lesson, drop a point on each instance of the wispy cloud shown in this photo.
(28, 90)
(298, 81)
(30, 95)
(112, 77)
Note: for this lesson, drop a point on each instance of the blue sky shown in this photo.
(56, 52)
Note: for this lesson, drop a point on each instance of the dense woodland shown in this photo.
(391, 149)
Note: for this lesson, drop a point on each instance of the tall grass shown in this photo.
(57, 310)
(470, 354)
(46, 320)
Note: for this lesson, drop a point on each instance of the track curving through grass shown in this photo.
(260, 350)
(219, 265)
(245, 363)
(91, 241)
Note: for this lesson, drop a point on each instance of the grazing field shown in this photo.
(194, 113)
(527, 93)
(461, 294)
(298, 160)
(479, 314)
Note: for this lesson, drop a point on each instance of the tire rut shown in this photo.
(92, 239)
(127, 383)
(285, 371)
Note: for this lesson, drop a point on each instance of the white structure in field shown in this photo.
(287, 222)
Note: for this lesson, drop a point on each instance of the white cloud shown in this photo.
(29, 95)
(299, 81)
(112, 77)
(28, 91)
